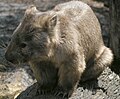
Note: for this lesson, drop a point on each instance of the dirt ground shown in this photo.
(11, 12)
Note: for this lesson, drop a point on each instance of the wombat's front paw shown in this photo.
(61, 94)
(41, 90)
(44, 91)
(64, 94)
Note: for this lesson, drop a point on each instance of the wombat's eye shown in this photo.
(23, 45)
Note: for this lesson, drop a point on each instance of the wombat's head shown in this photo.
(32, 40)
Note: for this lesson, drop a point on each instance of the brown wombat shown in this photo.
(63, 46)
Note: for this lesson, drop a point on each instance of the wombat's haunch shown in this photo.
(63, 46)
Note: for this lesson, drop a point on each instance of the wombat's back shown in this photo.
(86, 25)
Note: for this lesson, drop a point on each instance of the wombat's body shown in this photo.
(63, 46)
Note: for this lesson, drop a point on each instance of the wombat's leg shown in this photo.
(46, 76)
(100, 63)
(69, 75)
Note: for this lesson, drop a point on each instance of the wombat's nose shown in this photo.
(9, 58)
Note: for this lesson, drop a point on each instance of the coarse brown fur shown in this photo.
(63, 46)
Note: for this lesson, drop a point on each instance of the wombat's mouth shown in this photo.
(13, 61)
(17, 61)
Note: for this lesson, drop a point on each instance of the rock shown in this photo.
(107, 86)
(14, 82)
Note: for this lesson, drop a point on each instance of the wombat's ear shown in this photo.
(31, 10)
(52, 22)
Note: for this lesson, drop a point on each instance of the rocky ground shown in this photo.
(14, 80)
(107, 86)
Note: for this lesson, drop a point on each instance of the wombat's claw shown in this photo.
(58, 93)
(65, 95)
(61, 94)
(42, 92)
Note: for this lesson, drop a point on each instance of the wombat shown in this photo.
(63, 46)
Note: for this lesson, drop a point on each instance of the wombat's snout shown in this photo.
(10, 58)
